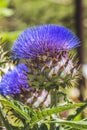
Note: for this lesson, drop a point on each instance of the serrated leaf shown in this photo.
(48, 112)
(18, 107)
(80, 125)
(5, 121)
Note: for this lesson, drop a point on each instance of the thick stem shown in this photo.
(53, 97)
(53, 104)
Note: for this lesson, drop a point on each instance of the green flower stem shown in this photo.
(53, 104)
(53, 98)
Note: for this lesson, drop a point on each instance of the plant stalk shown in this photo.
(53, 104)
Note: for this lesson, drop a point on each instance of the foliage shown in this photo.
(30, 117)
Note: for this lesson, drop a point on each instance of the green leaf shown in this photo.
(5, 121)
(80, 125)
(32, 118)
(22, 110)
(48, 112)
(78, 111)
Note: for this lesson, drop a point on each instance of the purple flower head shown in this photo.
(39, 40)
(14, 80)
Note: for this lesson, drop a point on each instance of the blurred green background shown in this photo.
(17, 15)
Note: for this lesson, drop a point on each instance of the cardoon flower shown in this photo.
(14, 80)
(46, 52)
(44, 39)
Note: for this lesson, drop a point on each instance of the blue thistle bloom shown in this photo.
(37, 41)
(14, 80)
